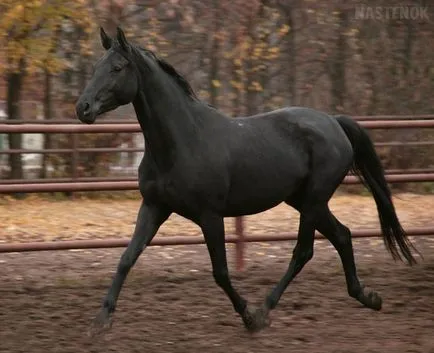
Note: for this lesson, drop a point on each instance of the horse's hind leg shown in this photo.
(311, 201)
(302, 253)
(149, 220)
(340, 236)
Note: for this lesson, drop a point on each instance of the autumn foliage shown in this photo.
(243, 57)
(31, 30)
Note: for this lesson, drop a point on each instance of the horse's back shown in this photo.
(313, 127)
(274, 154)
(300, 116)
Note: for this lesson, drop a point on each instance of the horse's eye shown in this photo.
(117, 68)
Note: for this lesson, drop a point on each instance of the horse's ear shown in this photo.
(123, 40)
(106, 41)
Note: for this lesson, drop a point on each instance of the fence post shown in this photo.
(240, 244)
(74, 161)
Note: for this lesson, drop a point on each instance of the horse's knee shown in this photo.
(303, 254)
(308, 254)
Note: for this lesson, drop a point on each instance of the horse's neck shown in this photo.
(168, 126)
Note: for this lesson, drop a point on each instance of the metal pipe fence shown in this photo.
(125, 183)
(184, 240)
(134, 121)
(138, 149)
(135, 127)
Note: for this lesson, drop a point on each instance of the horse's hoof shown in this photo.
(370, 299)
(101, 324)
(257, 320)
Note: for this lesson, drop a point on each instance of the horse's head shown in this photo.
(114, 81)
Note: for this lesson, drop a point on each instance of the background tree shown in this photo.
(29, 35)
(243, 57)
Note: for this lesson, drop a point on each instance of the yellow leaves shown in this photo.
(220, 35)
(353, 32)
(275, 15)
(9, 18)
(54, 64)
(216, 83)
(15, 51)
(274, 50)
(204, 94)
(272, 53)
(258, 68)
(256, 86)
(28, 29)
(16, 11)
(257, 52)
(236, 84)
(227, 55)
(85, 48)
(245, 45)
(284, 29)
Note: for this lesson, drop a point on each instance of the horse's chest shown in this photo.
(187, 197)
(165, 191)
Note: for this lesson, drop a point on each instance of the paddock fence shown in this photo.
(79, 184)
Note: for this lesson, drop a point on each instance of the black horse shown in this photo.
(205, 166)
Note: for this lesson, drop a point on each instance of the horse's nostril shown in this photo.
(86, 110)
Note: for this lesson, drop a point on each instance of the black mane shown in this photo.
(167, 68)
(172, 72)
(180, 80)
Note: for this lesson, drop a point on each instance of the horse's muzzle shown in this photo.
(85, 111)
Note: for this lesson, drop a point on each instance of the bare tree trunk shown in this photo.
(48, 115)
(48, 104)
(337, 65)
(236, 78)
(291, 72)
(408, 47)
(213, 57)
(14, 88)
(250, 93)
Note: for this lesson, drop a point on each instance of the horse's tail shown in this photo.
(367, 166)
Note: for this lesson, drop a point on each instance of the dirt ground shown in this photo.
(170, 302)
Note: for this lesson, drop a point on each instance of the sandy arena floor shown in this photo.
(170, 302)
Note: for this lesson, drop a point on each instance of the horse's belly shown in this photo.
(252, 194)
(237, 209)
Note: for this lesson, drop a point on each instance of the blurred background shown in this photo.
(242, 57)
(373, 60)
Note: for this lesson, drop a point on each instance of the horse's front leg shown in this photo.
(149, 219)
(213, 230)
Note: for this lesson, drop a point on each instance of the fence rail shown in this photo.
(133, 184)
(182, 240)
(134, 121)
(100, 184)
(118, 128)
(410, 174)
(140, 149)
